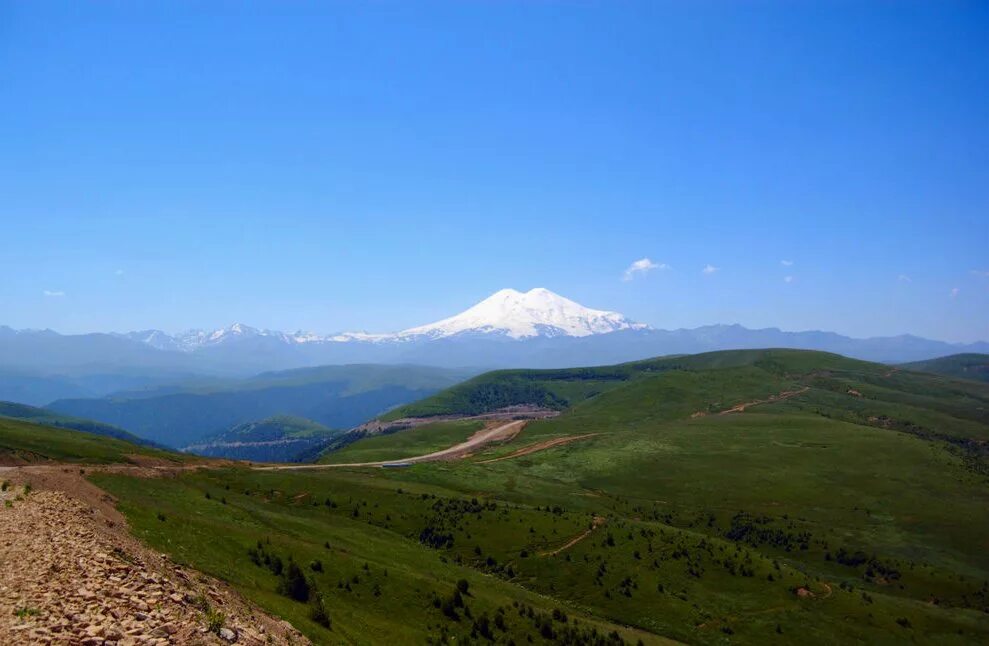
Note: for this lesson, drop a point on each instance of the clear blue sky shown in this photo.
(381, 165)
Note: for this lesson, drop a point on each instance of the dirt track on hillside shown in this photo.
(500, 433)
(786, 394)
(597, 522)
(540, 446)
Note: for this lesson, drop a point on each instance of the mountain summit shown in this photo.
(518, 315)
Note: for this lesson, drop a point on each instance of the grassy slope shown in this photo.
(713, 520)
(960, 366)
(377, 583)
(46, 417)
(22, 442)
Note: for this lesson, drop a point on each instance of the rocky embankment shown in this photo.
(71, 574)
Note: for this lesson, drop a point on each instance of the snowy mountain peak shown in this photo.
(507, 312)
(519, 315)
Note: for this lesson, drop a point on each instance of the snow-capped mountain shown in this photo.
(506, 313)
(518, 315)
(192, 340)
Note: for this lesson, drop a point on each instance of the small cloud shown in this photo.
(642, 266)
(954, 292)
(119, 272)
(786, 263)
(709, 269)
(981, 273)
(903, 278)
(788, 279)
(54, 294)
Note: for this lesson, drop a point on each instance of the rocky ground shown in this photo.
(70, 573)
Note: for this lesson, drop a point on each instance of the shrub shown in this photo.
(215, 621)
(293, 584)
(463, 586)
(317, 611)
(316, 565)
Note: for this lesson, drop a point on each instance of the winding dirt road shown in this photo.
(500, 433)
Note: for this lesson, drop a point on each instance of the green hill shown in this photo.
(960, 366)
(744, 497)
(281, 438)
(23, 442)
(45, 417)
(560, 389)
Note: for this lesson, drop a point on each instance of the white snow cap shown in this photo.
(537, 312)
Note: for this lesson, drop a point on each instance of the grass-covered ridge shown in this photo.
(46, 417)
(563, 388)
(24, 442)
(960, 366)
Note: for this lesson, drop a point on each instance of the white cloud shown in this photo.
(642, 266)
(786, 263)
(119, 272)
(981, 273)
(709, 269)
(903, 278)
(788, 279)
(954, 292)
(56, 293)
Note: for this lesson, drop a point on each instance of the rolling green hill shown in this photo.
(45, 417)
(281, 438)
(23, 442)
(745, 497)
(960, 366)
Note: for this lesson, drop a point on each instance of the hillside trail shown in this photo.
(501, 433)
(540, 446)
(786, 394)
(72, 573)
(741, 408)
(597, 522)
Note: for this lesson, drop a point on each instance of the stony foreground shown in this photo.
(71, 575)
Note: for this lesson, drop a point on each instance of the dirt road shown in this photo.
(499, 433)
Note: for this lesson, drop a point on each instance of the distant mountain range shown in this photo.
(534, 329)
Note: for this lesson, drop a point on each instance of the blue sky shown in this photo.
(334, 166)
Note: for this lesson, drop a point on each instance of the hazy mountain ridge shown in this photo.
(534, 329)
(334, 396)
